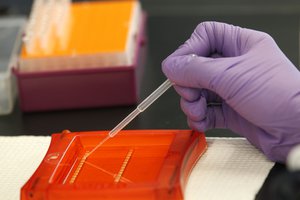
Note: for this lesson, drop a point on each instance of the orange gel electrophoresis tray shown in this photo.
(135, 164)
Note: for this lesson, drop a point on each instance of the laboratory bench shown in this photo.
(169, 24)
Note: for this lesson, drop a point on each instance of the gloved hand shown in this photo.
(244, 71)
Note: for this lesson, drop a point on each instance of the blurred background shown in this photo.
(169, 24)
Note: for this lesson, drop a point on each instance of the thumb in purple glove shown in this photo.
(236, 78)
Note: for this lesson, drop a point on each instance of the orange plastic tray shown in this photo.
(135, 164)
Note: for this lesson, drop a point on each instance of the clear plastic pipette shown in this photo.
(140, 108)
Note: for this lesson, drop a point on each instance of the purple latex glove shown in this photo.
(244, 71)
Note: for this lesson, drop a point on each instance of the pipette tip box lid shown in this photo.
(135, 164)
(10, 39)
(87, 71)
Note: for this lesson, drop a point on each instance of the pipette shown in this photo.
(140, 108)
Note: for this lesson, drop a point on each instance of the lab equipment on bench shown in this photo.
(135, 164)
(88, 54)
(10, 40)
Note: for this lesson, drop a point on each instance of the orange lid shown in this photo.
(92, 27)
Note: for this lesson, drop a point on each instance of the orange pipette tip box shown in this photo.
(101, 65)
(97, 34)
(135, 164)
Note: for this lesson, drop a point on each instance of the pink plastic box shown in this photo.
(82, 88)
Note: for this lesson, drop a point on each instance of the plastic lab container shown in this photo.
(83, 88)
(10, 39)
(135, 164)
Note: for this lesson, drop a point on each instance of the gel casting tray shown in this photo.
(135, 164)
